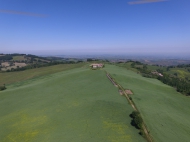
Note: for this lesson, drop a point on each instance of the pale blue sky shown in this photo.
(94, 26)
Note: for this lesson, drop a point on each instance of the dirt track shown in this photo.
(148, 137)
(143, 125)
(111, 80)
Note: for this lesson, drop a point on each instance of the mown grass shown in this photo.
(12, 77)
(74, 105)
(165, 111)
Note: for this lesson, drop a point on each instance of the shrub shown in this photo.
(2, 88)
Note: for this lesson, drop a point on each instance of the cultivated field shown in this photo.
(165, 111)
(74, 105)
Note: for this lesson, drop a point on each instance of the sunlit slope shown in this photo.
(165, 111)
(17, 76)
(75, 105)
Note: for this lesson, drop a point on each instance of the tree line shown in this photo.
(6, 57)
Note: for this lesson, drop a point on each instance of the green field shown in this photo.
(165, 112)
(12, 77)
(18, 58)
(77, 105)
(74, 103)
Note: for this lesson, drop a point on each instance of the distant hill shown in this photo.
(19, 62)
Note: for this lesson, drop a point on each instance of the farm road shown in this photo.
(149, 139)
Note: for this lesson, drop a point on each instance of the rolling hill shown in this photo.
(73, 105)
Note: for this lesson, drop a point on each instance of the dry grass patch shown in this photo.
(120, 92)
(129, 92)
(5, 64)
(20, 64)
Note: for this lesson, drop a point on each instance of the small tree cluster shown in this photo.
(137, 120)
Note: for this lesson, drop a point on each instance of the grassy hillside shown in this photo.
(74, 105)
(11, 77)
(183, 73)
(165, 112)
(176, 76)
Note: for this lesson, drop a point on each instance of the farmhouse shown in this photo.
(157, 73)
(96, 65)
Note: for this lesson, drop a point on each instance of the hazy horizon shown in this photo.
(184, 56)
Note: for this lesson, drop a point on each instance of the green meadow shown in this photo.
(165, 112)
(18, 58)
(18, 76)
(72, 105)
(75, 103)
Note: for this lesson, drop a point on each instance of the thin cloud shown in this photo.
(22, 13)
(144, 1)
